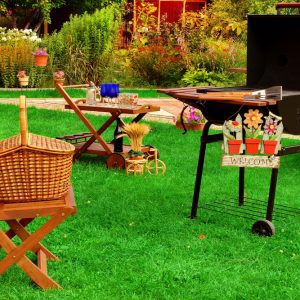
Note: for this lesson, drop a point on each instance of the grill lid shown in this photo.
(273, 51)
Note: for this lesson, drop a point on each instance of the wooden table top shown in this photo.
(106, 107)
(192, 94)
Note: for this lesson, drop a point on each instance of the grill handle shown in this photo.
(23, 121)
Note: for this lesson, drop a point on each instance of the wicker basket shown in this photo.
(33, 167)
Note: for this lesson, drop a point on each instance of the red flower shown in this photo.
(202, 236)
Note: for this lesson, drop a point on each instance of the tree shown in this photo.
(91, 5)
(40, 10)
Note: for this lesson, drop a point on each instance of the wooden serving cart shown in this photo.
(92, 142)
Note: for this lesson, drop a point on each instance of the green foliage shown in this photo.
(252, 133)
(83, 46)
(43, 9)
(16, 47)
(218, 55)
(91, 5)
(158, 65)
(203, 77)
(120, 70)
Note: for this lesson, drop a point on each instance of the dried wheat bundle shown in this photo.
(136, 133)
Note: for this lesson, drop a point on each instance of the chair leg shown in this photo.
(40, 278)
(24, 222)
(16, 255)
(23, 234)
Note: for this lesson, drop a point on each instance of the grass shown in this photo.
(132, 238)
(77, 93)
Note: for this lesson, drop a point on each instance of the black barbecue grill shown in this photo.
(273, 59)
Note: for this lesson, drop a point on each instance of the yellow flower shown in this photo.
(253, 118)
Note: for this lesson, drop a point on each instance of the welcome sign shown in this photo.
(251, 161)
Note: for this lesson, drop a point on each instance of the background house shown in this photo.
(171, 10)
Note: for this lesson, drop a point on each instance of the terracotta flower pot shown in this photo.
(23, 81)
(270, 147)
(234, 146)
(59, 80)
(252, 146)
(41, 60)
(190, 126)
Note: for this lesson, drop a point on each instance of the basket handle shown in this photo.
(23, 121)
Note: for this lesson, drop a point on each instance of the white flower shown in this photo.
(4, 39)
(26, 31)
(33, 38)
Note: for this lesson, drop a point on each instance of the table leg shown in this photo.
(92, 139)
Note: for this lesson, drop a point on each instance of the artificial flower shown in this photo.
(253, 118)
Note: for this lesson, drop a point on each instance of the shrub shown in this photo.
(200, 77)
(83, 46)
(158, 65)
(219, 55)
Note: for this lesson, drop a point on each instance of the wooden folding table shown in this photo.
(92, 142)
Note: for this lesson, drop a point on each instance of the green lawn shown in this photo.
(132, 238)
(77, 93)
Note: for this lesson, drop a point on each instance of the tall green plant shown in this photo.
(16, 47)
(83, 46)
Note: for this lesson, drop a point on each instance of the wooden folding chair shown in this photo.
(18, 216)
(35, 176)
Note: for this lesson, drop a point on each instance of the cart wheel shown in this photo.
(263, 227)
(155, 167)
(150, 152)
(115, 161)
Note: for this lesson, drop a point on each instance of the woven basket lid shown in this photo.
(33, 141)
(36, 142)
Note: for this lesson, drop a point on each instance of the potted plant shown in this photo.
(232, 131)
(59, 77)
(252, 120)
(272, 131)
(40, 57)
(135, 132)
(193, 119)
(23, 78)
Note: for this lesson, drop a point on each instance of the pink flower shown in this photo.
(59, 74)
(40, 51)
(270, 127)
(21, 74)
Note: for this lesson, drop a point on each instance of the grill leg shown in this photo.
(272, 192)
(200, 170)
(241, 186)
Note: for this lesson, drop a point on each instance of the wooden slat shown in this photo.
(250, 161)
(42, 261)
(192, 94)
(100, 107)
(196, 96)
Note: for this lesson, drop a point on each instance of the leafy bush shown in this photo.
(218, 55)
(120, 70)
(200, 77)
(158, 65)
(84, 45)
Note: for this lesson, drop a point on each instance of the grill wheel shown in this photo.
(263, 227)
